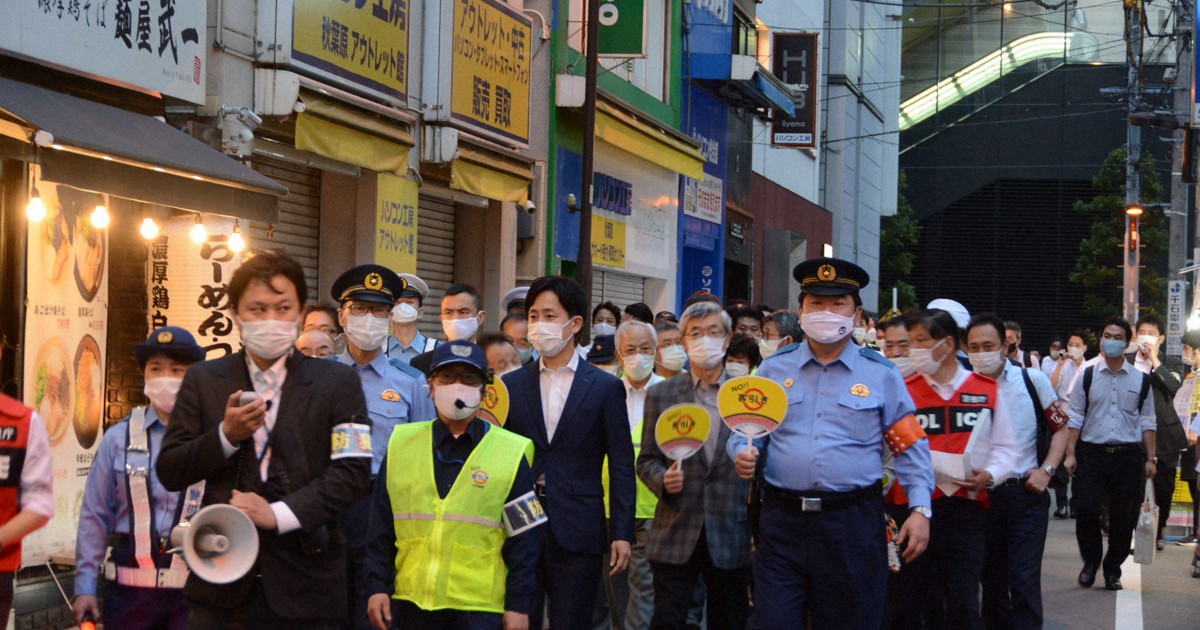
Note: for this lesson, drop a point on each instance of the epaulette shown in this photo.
(791, 347)
(868, 353)
(408, 369)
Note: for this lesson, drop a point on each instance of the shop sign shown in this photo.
(364, 42)
(396, 223)
(66, 321)
(1175, 317)
(710, 39)
(737, 230)
(155, 45)
(704, 199)
(608, 242)
(794, 61)
(622, 28)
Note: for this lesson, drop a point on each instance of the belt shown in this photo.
(149, 577)
(1013, 482)
(1114, 448)
(821, 501)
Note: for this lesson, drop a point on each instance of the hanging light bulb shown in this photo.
(35, 210)
(236, 242)
(149, 229)
(100, 217)
(199, 234)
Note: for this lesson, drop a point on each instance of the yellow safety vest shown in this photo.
(448, 550)
(646, 501)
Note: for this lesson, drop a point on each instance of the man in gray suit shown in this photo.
(700, 524)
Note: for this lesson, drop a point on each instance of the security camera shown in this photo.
(244, 115)
(529, 206)
(572, 206)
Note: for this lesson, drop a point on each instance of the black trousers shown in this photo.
(1164, 490)
(568, 579)
(1012, 569)
(254, 614)
(675, 587)
(1117, 476)
(407, 615)
(944, 581)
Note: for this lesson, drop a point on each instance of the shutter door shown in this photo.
(619, 288)
(297, 233)
(435, 258)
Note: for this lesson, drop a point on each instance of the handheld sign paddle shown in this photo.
(752, 406)
(681, 430)
(495, 403)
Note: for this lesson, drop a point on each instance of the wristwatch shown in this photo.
(1153, 460)
(1049, 469)
(923, 511)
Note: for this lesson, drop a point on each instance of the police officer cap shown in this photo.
(461, 351)
(173, 341)
(830, 276)
(603, 349)
(369, 283)
(416, 287)
(515, 298)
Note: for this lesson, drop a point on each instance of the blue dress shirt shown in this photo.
(1112, 416)
(397, 352)
(409, 402)
(106, 508)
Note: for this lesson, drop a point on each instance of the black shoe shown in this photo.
(1112, 583)
(1060, 512)
(1158, 544)
(1186, 541)
(1087, 577)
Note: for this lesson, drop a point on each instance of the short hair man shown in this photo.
(747, 321)
(406, 342)
(780, 329)
(502, 356)
(516, 326)
(671, 358)
(1013, 350)
(462, 317)
(1166, 377)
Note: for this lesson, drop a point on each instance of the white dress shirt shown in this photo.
(556, 384)
(635, 400)
(947, 390)
(37, 477)
(1014, 423)
(1065, 378)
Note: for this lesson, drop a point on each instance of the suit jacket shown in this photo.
(304, 571)
(1165, 380)
(593, 425)
(712, 498)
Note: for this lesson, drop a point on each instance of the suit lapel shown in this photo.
(533, 398)
(295, 393)
(585, 374)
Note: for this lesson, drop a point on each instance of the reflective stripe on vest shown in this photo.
(448, 550)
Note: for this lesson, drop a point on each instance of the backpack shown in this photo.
(1087, 389)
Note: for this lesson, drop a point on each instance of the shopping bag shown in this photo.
(1147, 528)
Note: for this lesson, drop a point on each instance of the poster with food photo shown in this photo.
(66, 322)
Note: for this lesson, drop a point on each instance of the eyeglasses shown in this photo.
(470, 379)
(381, 311)
(697, 335)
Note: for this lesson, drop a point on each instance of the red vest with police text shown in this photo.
(14, 435)
(948, 423)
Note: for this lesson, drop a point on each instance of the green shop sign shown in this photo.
(622, 28)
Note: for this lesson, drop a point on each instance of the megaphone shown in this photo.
(219, 543)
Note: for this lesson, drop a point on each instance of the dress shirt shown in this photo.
(1112, 416)
(399, 352)
(556, 384)
(106, 509)
(1065, 378)
(37, 491)
(381, 380)
(824, 444)
(635, 400)
(1014, 423)
(1078, 374)
(520, 552)
(947, 390)
(706, 396)
(270, 388)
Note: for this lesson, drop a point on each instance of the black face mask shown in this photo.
(1012, 347)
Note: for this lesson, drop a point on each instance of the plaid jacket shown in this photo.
(712, 498)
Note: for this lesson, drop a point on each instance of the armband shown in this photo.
(350, 440)
(903, 434)
(523, 514)
(1056, 418)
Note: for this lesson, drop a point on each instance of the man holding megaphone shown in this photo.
(453, 511)
(282, 437)
(125, 501)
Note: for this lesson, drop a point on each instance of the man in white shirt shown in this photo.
(1018, 515)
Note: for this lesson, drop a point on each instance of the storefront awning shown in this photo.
(96, 147)
(645, 140)
(490, 175)
(338, 131)
(762, 91)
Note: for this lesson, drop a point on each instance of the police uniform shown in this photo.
(400, 354)
(445, 545)
(821, 538)
(126, 506)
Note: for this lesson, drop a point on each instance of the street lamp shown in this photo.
(1133, 258)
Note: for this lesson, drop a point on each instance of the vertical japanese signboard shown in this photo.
(479, 77)
(622, 28)
(155, 45)
(66, 318)
(188, 282)
(1176, 309)
(706, 120)
(794, 61)
(608, 242)
(364, 43)
(396, 223)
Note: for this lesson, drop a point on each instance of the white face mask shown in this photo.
(1147, 341)
(673, 357)
(603, 329)
(872, 335)
(860, 334)
(987, 363)
(457, 329)
(767, 348)
(1075, 353)
(638, 366)
(404, 313)
(922, 358)
(367, 332)
(269, 338)
(905, 366)
(547, 338)
(456, 401)
(735, 370)
(826, 326)
(706, 352)
(162, 392)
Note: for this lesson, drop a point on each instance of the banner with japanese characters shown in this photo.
(66, 318)
(155, 45)
(396, 223)
(490, 68)
(362, 43)
(188, 282)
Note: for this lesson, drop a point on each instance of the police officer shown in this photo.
(821, 542)
(406, 341)
(125, 502)
(367, 294)
(453, 512)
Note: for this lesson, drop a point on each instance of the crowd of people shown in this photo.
(910, 484)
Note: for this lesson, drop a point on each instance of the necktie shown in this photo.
(267, 385)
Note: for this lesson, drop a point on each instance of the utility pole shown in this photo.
(1133, 182)
(583, 263)
(1181, 106)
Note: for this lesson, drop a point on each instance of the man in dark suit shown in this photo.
(700, 523)
(575, 415)
(291, 459)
